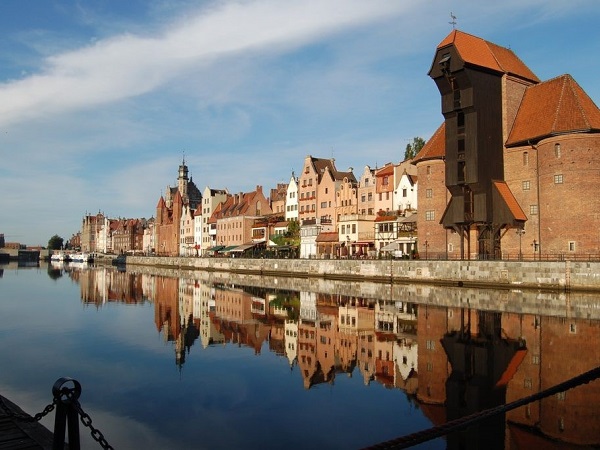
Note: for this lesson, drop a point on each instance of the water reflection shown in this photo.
(450, 359)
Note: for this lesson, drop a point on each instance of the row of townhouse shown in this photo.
(339, 216)
(102, 234)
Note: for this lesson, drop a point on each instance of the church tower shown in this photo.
(182, 180)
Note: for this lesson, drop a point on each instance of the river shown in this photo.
(192, 360)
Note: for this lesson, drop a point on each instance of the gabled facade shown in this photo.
(384, 188)
(210, 200)
(234, 218)
(277, 199)
(366, 192)
(129, 236)
(291, 203)
(186, 232)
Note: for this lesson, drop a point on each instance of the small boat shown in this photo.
(58, 257)
(81, 257)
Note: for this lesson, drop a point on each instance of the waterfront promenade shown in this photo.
(561, 276)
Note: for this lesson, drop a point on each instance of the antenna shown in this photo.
(453, 21)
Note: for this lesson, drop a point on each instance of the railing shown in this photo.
(65, 392)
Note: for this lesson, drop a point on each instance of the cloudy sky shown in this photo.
(101, 99)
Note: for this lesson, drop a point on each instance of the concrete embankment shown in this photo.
(540, 275)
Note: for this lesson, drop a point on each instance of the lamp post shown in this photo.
(426, 245)
(535, 247)
(520, 232)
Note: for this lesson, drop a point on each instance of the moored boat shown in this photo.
(59, 257)
(81, 257)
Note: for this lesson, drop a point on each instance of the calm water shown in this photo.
(189, 362)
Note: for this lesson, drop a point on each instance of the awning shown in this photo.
(243, 247)
(391, 246)
(227, 249)
(328, 236)
(216, 248)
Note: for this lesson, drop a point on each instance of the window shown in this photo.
(572, 328)
(354, 228)
(571, 246)
(533, 209)
(363, 198)
(526, 185)
(343, 229)
(557, 150)
(323, 204)
(366, 182)
(370, 196)
(558, 179)
(525, 158)
(327, 189)
(450, 248)
(428, 170)
(430, 215)
(403, 192)
(429, 193)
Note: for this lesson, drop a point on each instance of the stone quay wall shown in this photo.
(540, 275)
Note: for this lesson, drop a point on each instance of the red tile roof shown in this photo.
(479, 52)
(556, 106)
(434, 148)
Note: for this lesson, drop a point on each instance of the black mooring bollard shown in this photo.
(66, 398)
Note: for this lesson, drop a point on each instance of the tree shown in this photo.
(413, 148)
(55, 242)
(293, 229)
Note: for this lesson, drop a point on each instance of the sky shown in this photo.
(101, 100)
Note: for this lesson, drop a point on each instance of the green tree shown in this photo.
(55, 242)
(413, 148)
(293, 229)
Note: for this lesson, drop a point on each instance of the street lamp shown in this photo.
(426, 245)
(520, 232)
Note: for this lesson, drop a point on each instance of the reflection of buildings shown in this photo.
(483, 362)
(235, 320)
(104, 285)
(490, 366)
(453, 361)
(204, 308)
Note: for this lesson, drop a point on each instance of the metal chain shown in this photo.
(86, 420)
(84, 417)
(459, 424)
(26, 417)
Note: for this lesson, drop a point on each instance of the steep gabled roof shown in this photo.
(478, 52)
(434, 148)
(554, 107)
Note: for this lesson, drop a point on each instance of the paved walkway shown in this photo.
(16, 434)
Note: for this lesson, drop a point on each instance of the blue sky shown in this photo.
(100, 99)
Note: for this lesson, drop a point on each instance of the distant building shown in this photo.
(170, 209)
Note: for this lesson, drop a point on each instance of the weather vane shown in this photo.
(453, 22)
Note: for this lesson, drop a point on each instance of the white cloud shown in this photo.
(129, 65)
